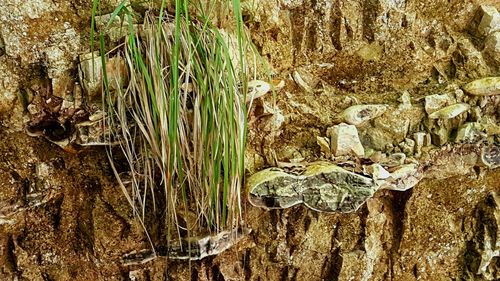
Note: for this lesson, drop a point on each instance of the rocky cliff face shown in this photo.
(62, 216)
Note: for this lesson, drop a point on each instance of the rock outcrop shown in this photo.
(416, 80)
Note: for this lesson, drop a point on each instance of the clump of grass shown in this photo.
(181, 119)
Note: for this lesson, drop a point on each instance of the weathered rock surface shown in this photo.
(62, 217)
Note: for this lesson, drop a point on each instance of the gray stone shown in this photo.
(90, 74)
(377, 172)
(257, 89)
(329, 188)
(405, 101)
(344, 140)
(490, 20)
(440, 135)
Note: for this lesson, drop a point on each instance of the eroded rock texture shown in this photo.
(62, 216)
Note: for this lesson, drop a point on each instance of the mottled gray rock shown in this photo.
(440, 133)
(392, 127)
(273, 188)
(405, 99)
(329, 188)
(90, 74)
(59, 70)
(474, 64)
(421, 139)
(323, 187)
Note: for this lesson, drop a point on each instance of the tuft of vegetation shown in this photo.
(180, 118)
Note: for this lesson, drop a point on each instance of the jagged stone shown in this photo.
(490, 20)
(469, 132)
(344, 140)
(450, 111)
(392, 127)
(420, 142)
(490, 156)
(90, 73)
(492, 46)
(440, 134)
(405, 101)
